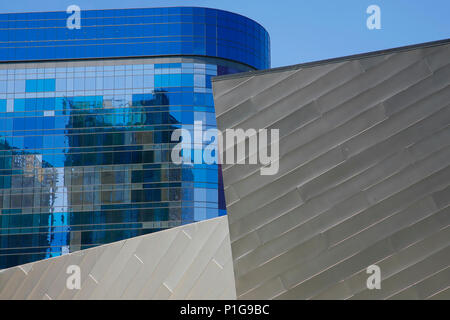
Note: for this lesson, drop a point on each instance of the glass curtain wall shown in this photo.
(86, 118)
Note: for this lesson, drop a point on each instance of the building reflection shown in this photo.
(34, 185)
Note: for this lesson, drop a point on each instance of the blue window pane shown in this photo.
(2, 105)
(187, 80)
(30, 104)
(49, 85)
(31, 85)
(175, 80)
(40, 85)
(49, 123)
(49, 104)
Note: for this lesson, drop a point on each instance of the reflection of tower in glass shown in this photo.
(116, 188)
(98, 117)
(37, 180)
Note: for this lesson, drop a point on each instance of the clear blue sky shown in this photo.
(302, 30)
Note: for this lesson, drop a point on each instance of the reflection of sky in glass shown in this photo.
(99, 131)
(136, 32)
(106, 150)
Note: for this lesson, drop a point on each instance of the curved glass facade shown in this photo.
(85, 145)
(135, 32)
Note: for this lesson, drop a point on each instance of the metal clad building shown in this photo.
(364, 177)
(188, 262)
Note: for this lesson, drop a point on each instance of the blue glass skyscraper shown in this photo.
(86, 117)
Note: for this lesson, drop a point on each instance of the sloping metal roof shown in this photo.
(333, 60)
(188, 262)
(364, 177)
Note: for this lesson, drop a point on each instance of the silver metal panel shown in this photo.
(364, 177)
(188, 262)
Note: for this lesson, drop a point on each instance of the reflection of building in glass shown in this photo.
(92, 137)
(29, 206)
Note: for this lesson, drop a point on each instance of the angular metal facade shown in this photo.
(364, 177)
(189, 262)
